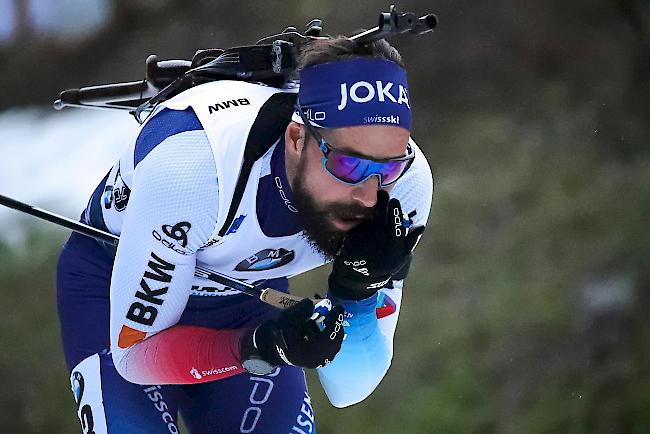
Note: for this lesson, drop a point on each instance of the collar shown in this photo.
(276, 212)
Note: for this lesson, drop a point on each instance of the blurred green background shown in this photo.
(526, 310)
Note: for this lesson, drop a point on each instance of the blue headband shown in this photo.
(359, 91)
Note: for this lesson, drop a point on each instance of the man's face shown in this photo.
(328, 207)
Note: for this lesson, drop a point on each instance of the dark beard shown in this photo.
(318, 230)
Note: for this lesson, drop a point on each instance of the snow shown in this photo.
(54, 160)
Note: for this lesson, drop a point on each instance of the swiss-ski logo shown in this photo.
(266, 259)
(196, 374)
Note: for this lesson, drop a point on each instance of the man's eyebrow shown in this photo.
(347, 149)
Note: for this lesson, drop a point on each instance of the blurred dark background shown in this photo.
(527, 307)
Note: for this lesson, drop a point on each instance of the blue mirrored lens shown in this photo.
(391, 171)
(346, 167)
(353, 169)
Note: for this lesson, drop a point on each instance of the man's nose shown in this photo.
(366, 193)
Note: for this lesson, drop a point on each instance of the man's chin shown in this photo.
(326, 238)
(344, 225)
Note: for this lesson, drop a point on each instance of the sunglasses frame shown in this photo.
(327, 148)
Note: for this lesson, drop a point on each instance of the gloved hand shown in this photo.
(373, 251)
(295, 338)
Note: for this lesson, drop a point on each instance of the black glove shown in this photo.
(295, 339)
(373, 252)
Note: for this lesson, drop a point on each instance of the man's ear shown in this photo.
(294, 139)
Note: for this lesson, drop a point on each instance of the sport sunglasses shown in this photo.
(354, 169)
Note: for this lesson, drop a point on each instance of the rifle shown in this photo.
(272, 60)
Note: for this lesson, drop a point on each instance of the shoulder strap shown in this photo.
(269, 125)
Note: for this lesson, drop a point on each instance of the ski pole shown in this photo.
(269, 296)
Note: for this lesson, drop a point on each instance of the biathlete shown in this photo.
(262, 184)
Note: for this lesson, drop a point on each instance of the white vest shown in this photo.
(246, 253)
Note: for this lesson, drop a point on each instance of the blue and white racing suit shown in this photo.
(145, 338)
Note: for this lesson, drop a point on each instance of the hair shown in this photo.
(341, 47)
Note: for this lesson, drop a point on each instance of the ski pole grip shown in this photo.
(279, 299)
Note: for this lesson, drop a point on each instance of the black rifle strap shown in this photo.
(270, 124)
